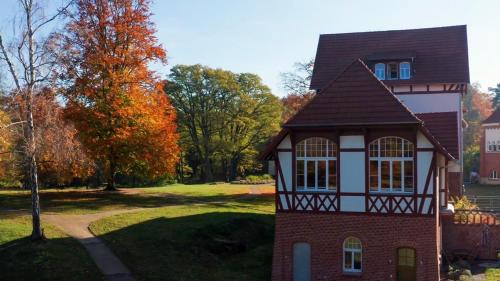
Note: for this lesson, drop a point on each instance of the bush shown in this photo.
(255, 179)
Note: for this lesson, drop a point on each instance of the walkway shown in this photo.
(77, 226)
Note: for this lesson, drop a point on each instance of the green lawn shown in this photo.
(81, 201)
(58, 258)
(218, 236)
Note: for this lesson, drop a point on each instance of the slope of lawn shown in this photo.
(58, 258)
(215, 234)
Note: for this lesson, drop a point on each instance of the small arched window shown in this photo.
(316, 164)
(380, 71)
(493, 174)
(404, 70)
(352, 254)
(391, 165)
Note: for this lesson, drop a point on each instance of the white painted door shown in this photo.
(301, 262)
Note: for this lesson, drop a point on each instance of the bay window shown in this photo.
(391, 165)
(316, 165)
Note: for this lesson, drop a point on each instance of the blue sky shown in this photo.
(267, 36)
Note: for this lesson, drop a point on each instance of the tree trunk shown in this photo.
(110, 186)
(37, 232)
(233, 168)
(207, 170)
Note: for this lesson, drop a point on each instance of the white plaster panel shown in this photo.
(352, 171)
(424, 159)
(491, 134)
(422, 141)
(286, 143)
(352, 142)
(427, 103)
(454, 166)
(286, 167)
(352, 203)
(283, 202)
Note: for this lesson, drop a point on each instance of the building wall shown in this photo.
(489, 160)
(380, 235)
(480, 240)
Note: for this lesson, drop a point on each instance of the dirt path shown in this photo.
(77, 226)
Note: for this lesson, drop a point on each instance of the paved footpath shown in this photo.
(77, 226)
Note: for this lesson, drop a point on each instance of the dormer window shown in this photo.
(404, 70)
(392, 71)
(380, 71)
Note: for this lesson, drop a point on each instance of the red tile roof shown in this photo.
(493, 118)
(440, 54)
(443, 126)
(355, 97)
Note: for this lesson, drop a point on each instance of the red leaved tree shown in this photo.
(116, 102)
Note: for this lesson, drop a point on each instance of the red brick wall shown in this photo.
(380, 235)
(481, 240)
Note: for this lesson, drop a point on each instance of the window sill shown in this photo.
(315, 191)
(391, 193)
(352, 274)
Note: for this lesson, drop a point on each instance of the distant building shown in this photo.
(490, 149)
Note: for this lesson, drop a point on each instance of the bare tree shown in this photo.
(30, 63)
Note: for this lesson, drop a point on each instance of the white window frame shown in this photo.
(402, 159)
(327, 159)
(493, 146)
(380, 70)
(388, 71)
(404, 69)
(493, 174)
(353, 251)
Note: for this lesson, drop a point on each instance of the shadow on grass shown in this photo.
(212, 246)
(95, 201)
(52, 259)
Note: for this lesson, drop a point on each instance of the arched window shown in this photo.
(493, 174)
(380, 71)
(391, 165)
(316, 164)
(352, 254)
(404, 70)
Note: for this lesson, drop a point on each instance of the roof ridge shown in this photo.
(396, 30)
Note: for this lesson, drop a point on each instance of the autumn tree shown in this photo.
(296, 84)
(116, 102)
(6, 147)
(224, 118)
(478, 107)
(29, 64)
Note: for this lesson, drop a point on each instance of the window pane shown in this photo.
(347, 259)
(396, 175)
(374, 149)
(408, 175)
(321, 174)
(385, 175)
(404, 70)
(357, 261)
(374, 175)
(380, 71)
(332, 174)
(311, 174)
(300, 174)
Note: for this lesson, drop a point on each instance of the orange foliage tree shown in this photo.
(116, 102)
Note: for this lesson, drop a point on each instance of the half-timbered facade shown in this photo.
(365, 169)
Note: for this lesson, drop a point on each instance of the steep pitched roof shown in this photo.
(443, 126)
(493, 118)
(439, 54)
(355, 97)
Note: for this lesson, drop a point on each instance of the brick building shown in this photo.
(364, 171)
(490, 149)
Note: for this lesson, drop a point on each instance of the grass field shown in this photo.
(58, 258)
(190, 232)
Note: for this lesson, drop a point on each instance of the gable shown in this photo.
(438, 55)
(355, 97)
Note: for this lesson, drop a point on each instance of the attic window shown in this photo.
(380, 71)
(392, 71)
(404, 70)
